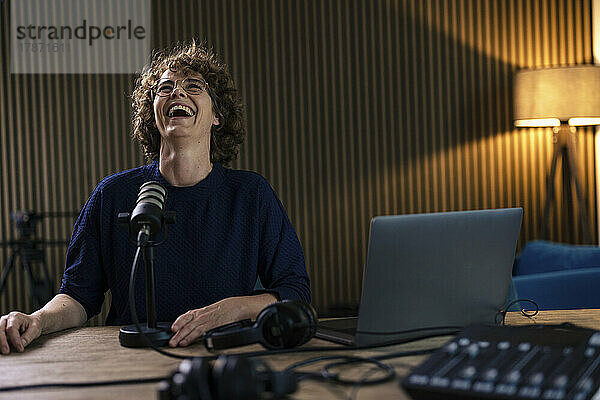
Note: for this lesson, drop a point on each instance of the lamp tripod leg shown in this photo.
(583, 217)
(549, 191)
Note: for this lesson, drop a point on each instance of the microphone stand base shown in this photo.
(159, 336)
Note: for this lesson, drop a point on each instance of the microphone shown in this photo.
(145, 223)
(148, 212)
(148, 216)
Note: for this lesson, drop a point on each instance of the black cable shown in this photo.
(407, 331)
(306, 375)
(409, 353)
(359, 383)
(141, 244)
(263, 353)
(526, 313)
(326, 375)
(83, 384)
(335, 377)
(354, 393)
(388, 356)
(313, 360)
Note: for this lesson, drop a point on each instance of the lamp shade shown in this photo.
(547, 97)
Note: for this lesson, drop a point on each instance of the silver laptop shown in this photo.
(431, 273)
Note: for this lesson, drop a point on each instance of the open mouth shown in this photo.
(179, 110)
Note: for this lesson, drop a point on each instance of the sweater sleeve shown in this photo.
(281, 268)
(83, 278)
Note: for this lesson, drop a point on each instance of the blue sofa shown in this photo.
(558, 276)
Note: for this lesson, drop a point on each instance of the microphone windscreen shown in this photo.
(149, 207)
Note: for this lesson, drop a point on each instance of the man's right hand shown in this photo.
(18, 330)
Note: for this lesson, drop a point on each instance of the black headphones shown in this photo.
(230, 377)
(281, 325)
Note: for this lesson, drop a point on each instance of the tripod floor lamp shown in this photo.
(562, 98)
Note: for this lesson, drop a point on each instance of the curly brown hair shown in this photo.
(226, 137)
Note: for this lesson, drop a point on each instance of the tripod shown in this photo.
(29, 257)
(564, 147)
(27, 252)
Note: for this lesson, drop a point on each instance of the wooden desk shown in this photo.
(584, 318)
(94, 354)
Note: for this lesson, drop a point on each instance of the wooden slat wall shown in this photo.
(355, 108)
(59, 135)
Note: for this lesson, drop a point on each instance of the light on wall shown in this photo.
(561, 98)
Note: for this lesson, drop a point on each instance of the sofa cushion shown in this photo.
(542, 256)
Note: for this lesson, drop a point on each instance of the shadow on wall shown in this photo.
(380, 103)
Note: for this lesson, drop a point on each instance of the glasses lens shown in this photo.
(164, 88)
(194, 86)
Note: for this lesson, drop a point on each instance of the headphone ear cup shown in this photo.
(287, 324)
(193, 378)
(235, 378)
(229, 377)
(311, 319)
(305, 326)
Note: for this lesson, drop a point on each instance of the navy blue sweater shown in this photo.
(231, 228)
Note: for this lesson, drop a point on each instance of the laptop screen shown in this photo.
(429, 271)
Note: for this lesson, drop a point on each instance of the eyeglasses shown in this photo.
(165, 87)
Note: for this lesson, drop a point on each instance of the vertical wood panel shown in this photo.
(355, 108)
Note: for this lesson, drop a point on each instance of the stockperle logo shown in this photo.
(79, 36)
